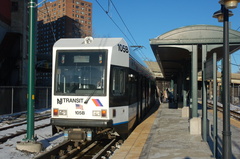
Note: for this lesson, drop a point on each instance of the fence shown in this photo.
(14, 99)
(234, 94)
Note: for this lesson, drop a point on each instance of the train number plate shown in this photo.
(80, 112)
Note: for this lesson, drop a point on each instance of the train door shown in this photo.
(147, 95)
(133, 97)
(139, 98)
(143, 97)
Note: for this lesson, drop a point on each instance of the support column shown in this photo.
(204, 96)
(195, 121)
(185, 109)
(194, 82)
(215, 116)
(179, 87)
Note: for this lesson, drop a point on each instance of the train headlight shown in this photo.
(96, 113)
(62, 112)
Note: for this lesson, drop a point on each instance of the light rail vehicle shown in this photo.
(98, 86)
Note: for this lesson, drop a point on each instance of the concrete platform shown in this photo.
(164, 134)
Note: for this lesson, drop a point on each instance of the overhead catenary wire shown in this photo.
(123, 22)
(113, 21)
(139, 47)
(41, 3)
(235, 62)
(107, 12)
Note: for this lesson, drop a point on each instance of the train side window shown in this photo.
(118, 81)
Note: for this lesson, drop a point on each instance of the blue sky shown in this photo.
(147, 19)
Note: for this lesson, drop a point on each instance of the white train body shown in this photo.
(97, 85)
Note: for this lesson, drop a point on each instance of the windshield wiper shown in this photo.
(86, 101)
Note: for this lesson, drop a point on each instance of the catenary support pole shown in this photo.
(31, 71)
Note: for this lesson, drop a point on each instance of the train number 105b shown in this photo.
(80, 112)
(122, 48)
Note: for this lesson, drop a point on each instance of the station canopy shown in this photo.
(173, 49)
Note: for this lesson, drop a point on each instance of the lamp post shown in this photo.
(223, 15)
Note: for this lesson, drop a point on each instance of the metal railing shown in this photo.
(234, 95)
(14, 98)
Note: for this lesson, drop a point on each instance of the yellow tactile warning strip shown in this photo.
(234, 122)
(132, 147)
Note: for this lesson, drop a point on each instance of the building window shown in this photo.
(14, 6)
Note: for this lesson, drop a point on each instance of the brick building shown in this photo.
(59, 19)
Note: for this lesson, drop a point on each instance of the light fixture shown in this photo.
(219, 14)
(230, 4)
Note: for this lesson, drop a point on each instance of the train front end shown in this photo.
(79, 89)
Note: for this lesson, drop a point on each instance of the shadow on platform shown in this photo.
(172, 105)
(152, 110)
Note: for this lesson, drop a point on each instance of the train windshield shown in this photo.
(81, 72)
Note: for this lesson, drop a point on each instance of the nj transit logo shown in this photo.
(97, 102)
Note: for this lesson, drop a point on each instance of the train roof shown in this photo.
(87, 42)
(94, 42)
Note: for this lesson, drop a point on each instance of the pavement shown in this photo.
(164, 134)
(235, 137)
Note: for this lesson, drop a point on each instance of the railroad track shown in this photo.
(20, 132)
(18, 123)
(88, 150)
(23, 121)
(233, 114)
